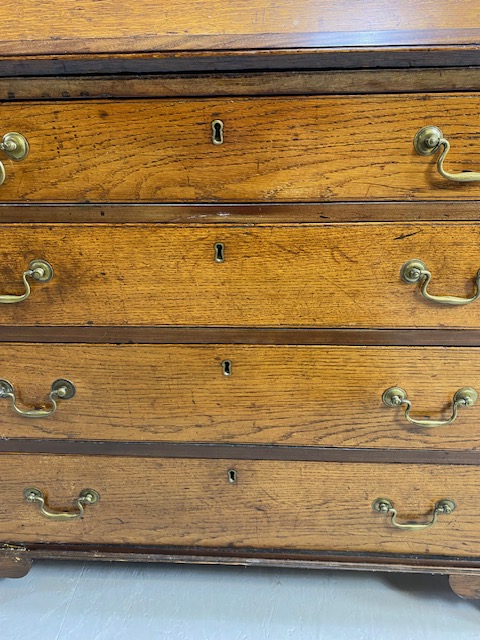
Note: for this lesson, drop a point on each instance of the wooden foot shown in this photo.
(466, 585)
(14, 567)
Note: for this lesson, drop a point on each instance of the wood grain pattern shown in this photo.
(44, 27)
(273, 505)
(296, 276)
(281, 149)
(235, 84)
(290, 395)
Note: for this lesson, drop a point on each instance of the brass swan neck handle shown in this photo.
(428, 141)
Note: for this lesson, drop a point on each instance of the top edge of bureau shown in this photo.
(180, 36)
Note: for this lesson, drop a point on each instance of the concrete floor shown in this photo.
(102, 601)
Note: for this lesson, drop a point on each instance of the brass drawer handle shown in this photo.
(384, 505)
(86, 496)
(395, 397)
(38, 270)
(61, 389)
(415, 271)
(15, 146)
(429, 140)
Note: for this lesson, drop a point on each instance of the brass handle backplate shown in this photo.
(384, 505)
(429, 140)
(415, 271)
(38, 270)
(396, 397)
(15, 146)
(86, 496)
(61, 390)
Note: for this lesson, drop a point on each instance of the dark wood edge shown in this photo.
(149, 449)
(183, 61)
(234, 84)
(240, 335)
(249, 213)
(248, 558)
(239, 42)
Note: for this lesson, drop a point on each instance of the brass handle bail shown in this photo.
(396, 397)
(38, 270)
(415, 271)
(429, 140)
(61, 390)
(86, 496)
(16, 147)
(384, 505)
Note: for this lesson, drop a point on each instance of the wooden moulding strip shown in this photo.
(151, 449)
(248, 558)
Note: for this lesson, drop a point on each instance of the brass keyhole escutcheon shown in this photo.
(227, 367)
(217, 132)
(219, 249)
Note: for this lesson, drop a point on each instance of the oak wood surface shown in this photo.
(273, 505)
(280, 149)
(272, 276)
(65, 26)
(282, 395)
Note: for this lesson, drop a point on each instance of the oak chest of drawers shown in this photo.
(239, 278)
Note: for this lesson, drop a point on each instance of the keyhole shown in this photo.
(217, 132)
(227, 367)
(232, 476)
(219, 252)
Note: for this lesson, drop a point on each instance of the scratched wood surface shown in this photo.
(281, 149)
(283, 395)
(274, 505)
(66, 26)
(285, 275)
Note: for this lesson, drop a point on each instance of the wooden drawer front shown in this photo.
(283, 149)
(285, 275)
(283, 395)
(272, 505)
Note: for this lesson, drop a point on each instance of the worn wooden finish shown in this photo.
(192, 503)
(252, 214)
(14, 566)
(319, 396)
(276, 149)
(107, 27)
(234, 84)
(297, 276)
(466, 585)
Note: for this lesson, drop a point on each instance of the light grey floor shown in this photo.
(93, 601)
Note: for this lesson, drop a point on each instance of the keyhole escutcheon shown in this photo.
(219, 249)
(217, 132)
